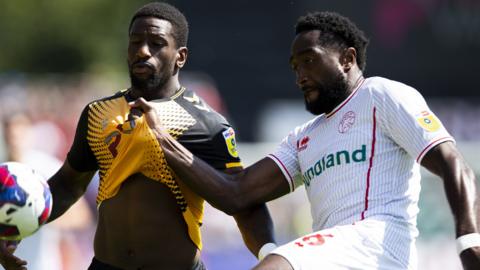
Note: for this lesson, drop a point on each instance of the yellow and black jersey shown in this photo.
(110, 140)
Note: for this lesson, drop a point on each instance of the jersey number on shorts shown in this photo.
(313, 240)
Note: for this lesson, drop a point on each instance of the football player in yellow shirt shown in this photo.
(146, 219)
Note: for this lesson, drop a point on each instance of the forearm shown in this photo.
(462, 195)
(218, 189)
(261, 182)
(460, 185)
(63, 199)
(461, 189)
(256, 227)
(67, 186)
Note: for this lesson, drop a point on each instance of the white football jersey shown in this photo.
(361, 161)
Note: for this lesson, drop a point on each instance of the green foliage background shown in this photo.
(64, 36)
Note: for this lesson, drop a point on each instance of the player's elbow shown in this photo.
(232, 211)
(232, 198)
(231, 205)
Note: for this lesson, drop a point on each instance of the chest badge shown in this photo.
(347, 122)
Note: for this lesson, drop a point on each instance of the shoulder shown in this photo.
(200, 110)
(386, 89)
(303, 130)
(117, 95)
(100, 102)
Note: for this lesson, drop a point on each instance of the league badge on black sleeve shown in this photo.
(229, 136)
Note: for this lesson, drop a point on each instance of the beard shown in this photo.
(151, 83)
(331, 94)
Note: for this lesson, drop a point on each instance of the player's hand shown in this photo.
(140, 106)
(7, 259)
(170, 146)
(471, 258)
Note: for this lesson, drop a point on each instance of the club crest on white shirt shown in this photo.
(347, 122)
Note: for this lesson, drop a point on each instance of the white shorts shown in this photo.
(357, 246)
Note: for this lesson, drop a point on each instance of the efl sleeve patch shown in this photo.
(428, 121)
(405, 116)
(229, 136)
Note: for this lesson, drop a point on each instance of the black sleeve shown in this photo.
(218, 149)
(80, 156)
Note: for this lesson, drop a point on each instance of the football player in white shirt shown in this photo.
(358, 160)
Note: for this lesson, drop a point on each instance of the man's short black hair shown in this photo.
(169, 13)
(337, 32)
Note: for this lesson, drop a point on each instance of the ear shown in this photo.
(348, 59)
(181, 57)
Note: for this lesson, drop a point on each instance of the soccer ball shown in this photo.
(25, 201)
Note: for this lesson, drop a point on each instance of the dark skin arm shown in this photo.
(461, 189)
(67, 186)
(256, 227)
(254, 223)
(259, 183)
(241, 193)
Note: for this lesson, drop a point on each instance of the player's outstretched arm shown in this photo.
(259, 183)
(461, 189)
(67, 186)
(241, 193)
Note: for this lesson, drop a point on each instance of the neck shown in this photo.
(164, 91)
(353, 79)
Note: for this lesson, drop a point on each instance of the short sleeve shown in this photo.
(80, 156)
(285, 156)
(218, 149)
(408, 120)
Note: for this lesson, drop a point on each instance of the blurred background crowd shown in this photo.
(56, 56)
